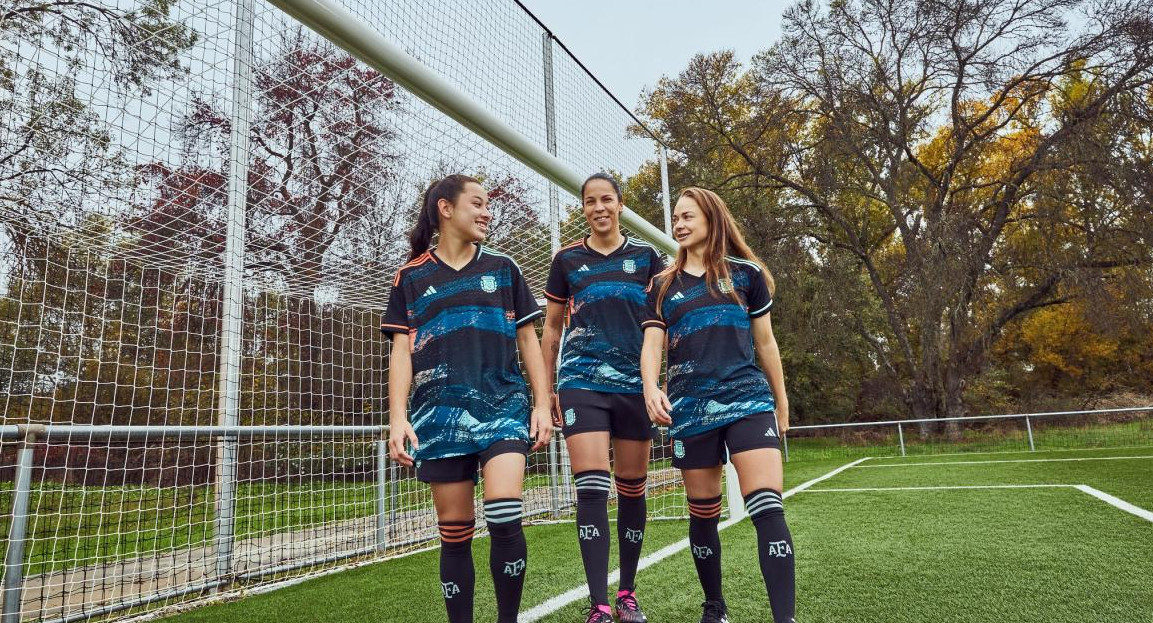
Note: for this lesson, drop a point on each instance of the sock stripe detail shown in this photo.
(763, 500)
(707, 508)
(456, 532)
(596, 480)
(631, 487)
(503, 511)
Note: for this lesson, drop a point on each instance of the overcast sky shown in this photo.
(630, 44)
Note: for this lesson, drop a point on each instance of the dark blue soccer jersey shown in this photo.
(605, 295)
(713, 377)
(467, 388)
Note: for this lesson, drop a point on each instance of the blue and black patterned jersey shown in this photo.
(467, 387)
(713, 376)
(605, 295)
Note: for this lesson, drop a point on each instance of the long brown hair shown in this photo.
(724, 239)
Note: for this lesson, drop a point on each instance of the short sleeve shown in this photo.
(649, 315)
(557, 289)
(758, 297)
(396, 315)
(526, 307)
(656, 264)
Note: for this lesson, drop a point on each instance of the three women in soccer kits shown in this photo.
(599, 284)
(459, 315)
(712, 308)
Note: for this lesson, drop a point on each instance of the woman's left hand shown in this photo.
(540, 426)
(782, 417)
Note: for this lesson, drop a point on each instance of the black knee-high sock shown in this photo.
(631, 515)
(592, 518)
(457, 576)
(508, 555)
(775, 550)
(705, 543)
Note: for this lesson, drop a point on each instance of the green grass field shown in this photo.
(1052, 555)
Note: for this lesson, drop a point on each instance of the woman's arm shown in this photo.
(656, 401)
(550, 344)
(769, 358)
(399, 384)
(540, 423)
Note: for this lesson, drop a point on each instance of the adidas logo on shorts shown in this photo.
(771, 433)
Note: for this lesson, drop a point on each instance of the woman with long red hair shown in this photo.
(712, 306)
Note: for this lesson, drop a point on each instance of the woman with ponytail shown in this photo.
(459, 314)
(712, 307)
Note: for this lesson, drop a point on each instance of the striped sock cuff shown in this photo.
(456, 531)
(762, 501)
(503, 510)
(705, 508)
(631, 487)
(594, 480)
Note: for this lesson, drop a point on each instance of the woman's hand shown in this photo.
(557, 420)
(658, 405)
(540, 426)
(398, 434)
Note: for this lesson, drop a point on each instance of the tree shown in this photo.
(910, 140)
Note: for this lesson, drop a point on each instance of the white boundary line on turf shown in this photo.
(1084, 458)
(553, 604)
(1004, 452)
(1113, 501)
(1116, 502)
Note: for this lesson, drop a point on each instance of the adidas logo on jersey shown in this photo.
(678, 296)
(583, 268)
(430, 290)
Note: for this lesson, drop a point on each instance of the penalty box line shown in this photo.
(1111, 500)
(581, 592)
(990, 462)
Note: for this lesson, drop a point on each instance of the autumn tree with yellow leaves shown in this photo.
(954, 169)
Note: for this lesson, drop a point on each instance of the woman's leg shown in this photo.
(630, 468)
(761, 474)
(589, 455)
(454, 515)
(503, 509)
(703, 488)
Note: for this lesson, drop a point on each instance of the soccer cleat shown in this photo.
(598, 614)
(627, 610)
(714, 612)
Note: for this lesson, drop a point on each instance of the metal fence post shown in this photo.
(392, 491)
(666, 200)
(901, 437)
(785, 445)
(17, 530)
(1029, 431)
(553, 478)
(550, 138)
(233, 314)
(381, 495)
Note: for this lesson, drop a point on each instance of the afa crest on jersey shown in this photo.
(725, 286)
(629, 266)
(488, 283)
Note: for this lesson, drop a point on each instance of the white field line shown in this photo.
(553, 604)
(1004, 452)
(1113, 501)
(941, 488)
(1084, 458)
(1117, 502)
